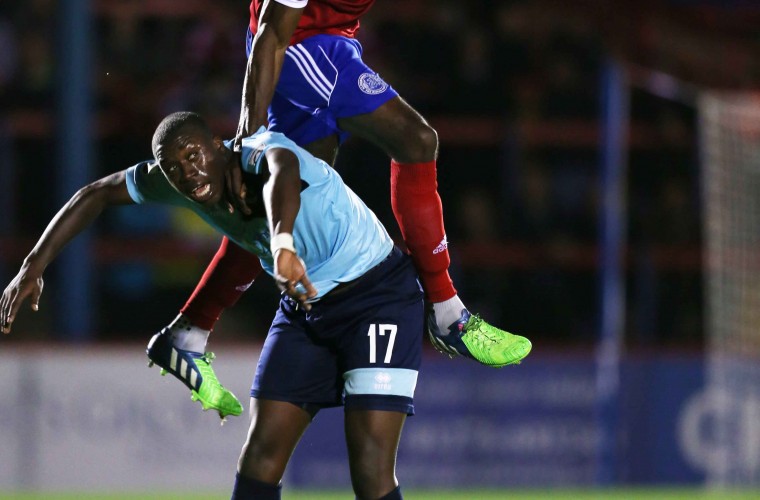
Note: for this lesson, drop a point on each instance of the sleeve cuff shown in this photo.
(296, 4)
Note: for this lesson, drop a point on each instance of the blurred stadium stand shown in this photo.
(512, 88)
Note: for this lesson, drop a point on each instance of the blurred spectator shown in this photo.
(501, 64)
(34, 85)
(8, 55)
(476, 91)
(534, 215)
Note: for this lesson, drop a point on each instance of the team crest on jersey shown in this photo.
(254, 158)
(372, 84)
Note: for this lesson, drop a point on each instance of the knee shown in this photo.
(428, 139)
(419, 144)
(372, 479)
(255, 462)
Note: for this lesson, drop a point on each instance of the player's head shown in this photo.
(191, 157)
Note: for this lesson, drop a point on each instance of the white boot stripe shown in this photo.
(438, 343)
(442, 346)
(173, 362)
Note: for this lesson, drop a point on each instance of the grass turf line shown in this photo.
(522, 494)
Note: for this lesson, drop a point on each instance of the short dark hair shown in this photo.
(175, 122)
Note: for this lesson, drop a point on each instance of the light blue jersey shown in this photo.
(338, 237)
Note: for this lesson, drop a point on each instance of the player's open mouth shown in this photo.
(202, 192)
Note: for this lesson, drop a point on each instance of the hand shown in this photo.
(236, 191)
(244, 127)
(25, 284)
(289, 271)
(234, 177)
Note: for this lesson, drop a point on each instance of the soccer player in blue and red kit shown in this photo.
(305, 77)
(347, 330)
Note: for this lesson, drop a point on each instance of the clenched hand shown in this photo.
(289, 271)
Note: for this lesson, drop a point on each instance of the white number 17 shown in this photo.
(382, 330)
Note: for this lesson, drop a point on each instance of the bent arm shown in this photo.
(275, 28)
(70, 220)
(282, 199)
(282, 192)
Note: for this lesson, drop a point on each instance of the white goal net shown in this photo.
(730, 142)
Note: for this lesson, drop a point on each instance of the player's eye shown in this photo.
(192, 156)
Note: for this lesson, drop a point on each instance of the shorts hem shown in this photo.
(384, 403)
(296, 401)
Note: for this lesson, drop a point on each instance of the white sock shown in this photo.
(187, 336)
(448, 312)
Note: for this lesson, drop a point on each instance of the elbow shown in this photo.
(90, 191)
(268, 36)
(93, 196)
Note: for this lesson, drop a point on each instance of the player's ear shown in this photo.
(218, 143)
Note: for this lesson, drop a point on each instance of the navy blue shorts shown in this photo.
(323, 78)
(359, 346)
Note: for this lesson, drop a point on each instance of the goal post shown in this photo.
(730, 157)
(729, 148)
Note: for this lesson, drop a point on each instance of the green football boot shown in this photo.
(194, 370)
(474, 338)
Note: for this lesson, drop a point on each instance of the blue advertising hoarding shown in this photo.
(529, 425)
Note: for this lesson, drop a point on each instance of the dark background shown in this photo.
(512, 88)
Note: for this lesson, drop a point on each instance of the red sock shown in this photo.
(418, 211)
(229, 274)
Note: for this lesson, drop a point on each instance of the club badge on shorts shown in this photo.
(372, 84)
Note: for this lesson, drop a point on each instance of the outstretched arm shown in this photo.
(282, 198)
(70, 220)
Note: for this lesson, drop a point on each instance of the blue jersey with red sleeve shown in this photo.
(320, 17)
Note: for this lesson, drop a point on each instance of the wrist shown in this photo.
(33, 265)
(282, 241)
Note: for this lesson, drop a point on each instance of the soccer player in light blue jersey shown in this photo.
(306, 77)
(349, 326)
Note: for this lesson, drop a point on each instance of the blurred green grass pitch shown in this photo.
(523, 494)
